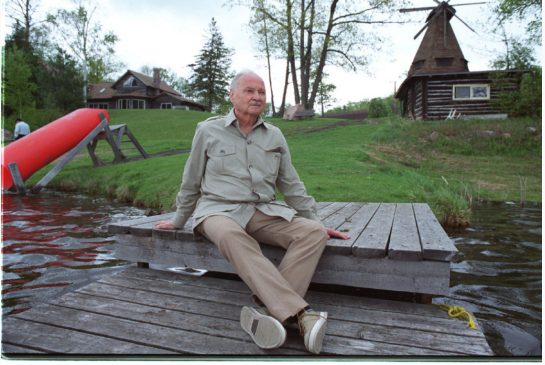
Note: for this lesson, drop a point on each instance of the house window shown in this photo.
(471, 92)
(97, 105)
(130, 82)
(166, 105)
(131, 104)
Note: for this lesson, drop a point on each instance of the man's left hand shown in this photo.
(336, 234)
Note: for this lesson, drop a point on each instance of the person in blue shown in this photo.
(21, 129)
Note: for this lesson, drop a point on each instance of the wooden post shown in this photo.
(70, 155)
(136, 144)
(17, 179)
(111, 140)
(91, 149)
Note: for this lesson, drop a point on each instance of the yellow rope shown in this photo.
(455, 311)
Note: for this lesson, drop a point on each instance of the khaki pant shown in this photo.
(280, 288)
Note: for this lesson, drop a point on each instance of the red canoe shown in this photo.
(48, 143)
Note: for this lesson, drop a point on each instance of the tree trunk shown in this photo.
(268, 54)
(306, 52)
(291, 53)
(323, 54)
(286, 79)
(302, 69)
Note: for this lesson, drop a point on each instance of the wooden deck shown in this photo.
(143, 312)
(397, 247)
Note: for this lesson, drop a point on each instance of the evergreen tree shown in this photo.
(209, 81)
(64, 82)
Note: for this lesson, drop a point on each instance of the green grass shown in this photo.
(389, 160)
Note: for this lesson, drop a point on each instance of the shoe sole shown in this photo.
(315, 338)
(267, 332)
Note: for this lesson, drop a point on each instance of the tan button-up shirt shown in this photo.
(229, 173)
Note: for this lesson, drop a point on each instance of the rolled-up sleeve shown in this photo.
(190, 189)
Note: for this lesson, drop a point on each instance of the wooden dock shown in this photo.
(392, 246)
(144, 312)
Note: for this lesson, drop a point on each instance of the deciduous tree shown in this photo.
(529, 11)
(81, 36)
(325, 32)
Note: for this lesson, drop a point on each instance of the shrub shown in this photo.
(378, 108)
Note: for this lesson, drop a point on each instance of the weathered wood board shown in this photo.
(142, 312)
(399, 247)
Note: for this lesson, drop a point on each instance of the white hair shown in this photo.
(239, 75)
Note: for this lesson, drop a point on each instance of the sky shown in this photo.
(170, 33)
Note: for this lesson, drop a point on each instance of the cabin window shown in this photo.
(130, 82)
(97, 105)
(131, 104)
(166, 105)
(471, 92)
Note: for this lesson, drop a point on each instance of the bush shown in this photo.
(526, 101)
(378, 108)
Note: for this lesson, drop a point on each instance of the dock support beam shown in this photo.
(17, 179)
(103, 126)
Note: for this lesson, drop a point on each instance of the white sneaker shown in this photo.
(266, 331)
(312, 326)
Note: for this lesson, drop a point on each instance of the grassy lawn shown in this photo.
(389, 160)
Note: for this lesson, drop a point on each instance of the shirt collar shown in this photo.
(230, 118)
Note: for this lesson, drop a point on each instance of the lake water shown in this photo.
(54, 243)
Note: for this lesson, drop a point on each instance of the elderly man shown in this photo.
(236, 163)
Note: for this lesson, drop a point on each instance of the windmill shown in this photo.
(439, 51)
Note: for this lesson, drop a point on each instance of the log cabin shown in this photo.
(439, 83)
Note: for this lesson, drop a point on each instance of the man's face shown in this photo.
(248, 97)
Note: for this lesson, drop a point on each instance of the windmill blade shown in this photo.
(416, 9)
(420, 31)
(465, 23)
(484, 2)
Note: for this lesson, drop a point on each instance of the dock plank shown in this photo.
(35, 336)
(353, 226)
(160, 337)
(8, 350)
(404, 240)
(436, 245)
(341, 216)
(373, 242)
(125, 226)
(330, 209)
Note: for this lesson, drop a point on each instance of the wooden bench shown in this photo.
(397, 247)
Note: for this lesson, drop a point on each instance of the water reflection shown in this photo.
(53, 243)
(497, 275)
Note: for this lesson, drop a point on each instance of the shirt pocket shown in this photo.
(269, 163)
(222, 159)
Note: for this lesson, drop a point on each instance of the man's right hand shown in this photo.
(164, 225)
